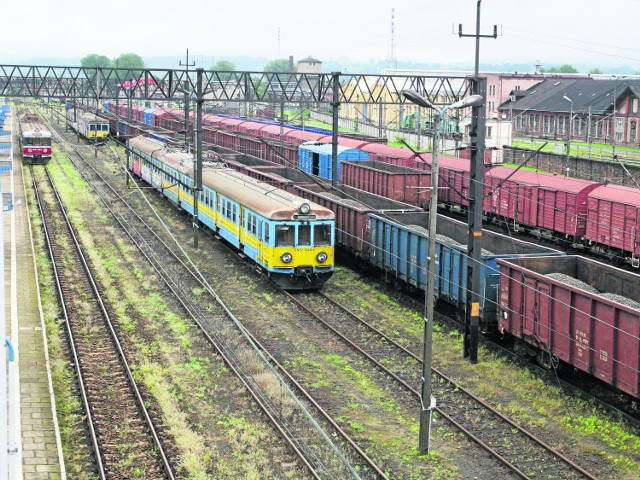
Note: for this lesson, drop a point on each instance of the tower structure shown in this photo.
(392, 61)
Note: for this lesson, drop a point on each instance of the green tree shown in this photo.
(595, 71)
(131, 61)
(566, 68)
(280, 65)
(94, 60)
(224, 66)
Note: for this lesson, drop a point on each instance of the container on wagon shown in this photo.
(316, 159)
(399, 243)
(584, 312)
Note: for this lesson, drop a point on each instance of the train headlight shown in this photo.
(286, 257)
(322, 257)
(304, 208)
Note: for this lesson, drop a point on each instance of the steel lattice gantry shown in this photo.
(170, 84)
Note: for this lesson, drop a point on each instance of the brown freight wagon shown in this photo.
(398, 183)
(352, 207)
(583, 312)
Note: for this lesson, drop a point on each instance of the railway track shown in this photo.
(124, 439)
(517, 449)
(321, 458)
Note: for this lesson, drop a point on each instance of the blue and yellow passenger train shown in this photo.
(289, 238)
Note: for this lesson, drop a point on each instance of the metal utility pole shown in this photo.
(476, 197)
(186, 99)
(95, 139)
(198, 164)
(335, 105)
(126, 140)
(428, 401)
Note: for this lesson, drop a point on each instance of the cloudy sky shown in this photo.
(591, 32)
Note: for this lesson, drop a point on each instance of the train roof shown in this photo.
(88, 116)
(260, 197)
(618, 194)
(542, 180)
(33, 127)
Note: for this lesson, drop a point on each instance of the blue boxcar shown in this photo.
(148, 115)
(315, 158)
(399, 245)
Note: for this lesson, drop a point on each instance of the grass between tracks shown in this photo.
(513, 390)
(165, 352)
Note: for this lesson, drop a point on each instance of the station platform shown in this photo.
(34, 435)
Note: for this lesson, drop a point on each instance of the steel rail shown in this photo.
(125, 363)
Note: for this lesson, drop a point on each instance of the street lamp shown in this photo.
(426, 409)
(566, 166)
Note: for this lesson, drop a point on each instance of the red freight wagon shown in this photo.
(212, 120)
(352, 207)
(391, 181)
(384, 153)
(137, 112)
(251, 145)
(276, 131)
(348, 142)
(161, 113)
(252, 128)
(562, 204)
(277, 150)
(296, 177)
(299, 137)
(512, 194)
(598, 335)
(613, 220)
(231, 123)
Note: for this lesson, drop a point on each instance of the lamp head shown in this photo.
(470, 101)
(567, 98)
(415, 97)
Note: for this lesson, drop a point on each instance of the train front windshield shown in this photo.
(37, 141)
(301, 235)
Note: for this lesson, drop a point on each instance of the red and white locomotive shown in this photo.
(35, 140)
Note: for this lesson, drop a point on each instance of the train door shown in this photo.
(315, 163)
(242, 227)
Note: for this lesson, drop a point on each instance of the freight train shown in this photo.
(605, 219)
(290, 239)
(34, 139)
(564, 310)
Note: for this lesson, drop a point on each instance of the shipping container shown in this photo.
(613, 220)
(399, 243)
(557, 305)
(391, 181)
(148, 116)
(316, 159)
(352, 207)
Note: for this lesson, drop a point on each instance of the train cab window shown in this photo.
(46, 142)
(284, 235)
(93, 127)
(322, 235)
(304, 235)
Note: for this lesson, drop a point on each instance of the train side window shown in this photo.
(235, 213)
(284, 235)
(322, 234)
(304, 235)
(266, 233)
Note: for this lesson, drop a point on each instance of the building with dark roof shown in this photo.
(559, 109)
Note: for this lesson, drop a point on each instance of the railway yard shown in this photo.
(174, 361)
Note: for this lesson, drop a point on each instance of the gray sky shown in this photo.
(592, 32)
